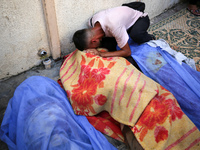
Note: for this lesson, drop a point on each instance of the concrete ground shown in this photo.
(8, 86)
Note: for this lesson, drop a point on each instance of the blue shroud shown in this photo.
(40, 117)
(181, 80)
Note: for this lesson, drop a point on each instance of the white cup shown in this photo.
(47, 63)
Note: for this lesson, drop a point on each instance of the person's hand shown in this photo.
(93, 51)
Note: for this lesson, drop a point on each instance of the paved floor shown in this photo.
(8, 86)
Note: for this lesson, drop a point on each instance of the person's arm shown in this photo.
(123, 52)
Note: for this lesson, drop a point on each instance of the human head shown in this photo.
(80, 39)
(85, 39)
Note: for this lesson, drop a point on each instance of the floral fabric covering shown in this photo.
(94, 85)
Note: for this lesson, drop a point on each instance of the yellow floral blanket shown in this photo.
(94, 84)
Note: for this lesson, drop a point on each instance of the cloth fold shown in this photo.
(94, 84)
(39, 116)
(180, 79)
(177, 55)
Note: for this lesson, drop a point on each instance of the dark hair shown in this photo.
(80, 39)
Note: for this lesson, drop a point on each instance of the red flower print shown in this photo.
(111, 64)
(85, 73)
(100, 99)
(162, 88)
(99, 74)
(90, 55)
(160, 98)
(102, 50)
(175, 111)
(155, 113)
(135, 129)
(108, 58)
(127, 62)
(160, 134)
(68, 93)
(83, 94)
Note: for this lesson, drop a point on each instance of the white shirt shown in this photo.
(115, 22)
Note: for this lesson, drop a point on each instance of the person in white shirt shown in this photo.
(120, 23)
